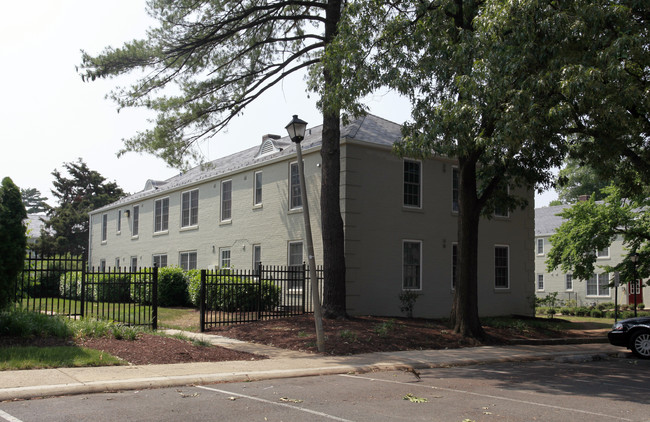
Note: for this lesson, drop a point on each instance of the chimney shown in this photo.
(270, 136)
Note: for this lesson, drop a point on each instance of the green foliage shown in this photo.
(349, 336)
(590, 226)
(85, 190)
(408, 298)
(22, 323)
(33, 201)
(194, 286)
(142, 287)
(232, 293)
(17, 358)
(172, 287)
(577, 179)
(109, 287)
(596, 313)
(384, 328)
(13, 240)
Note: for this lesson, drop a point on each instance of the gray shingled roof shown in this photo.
(547, 219)
(369, 128)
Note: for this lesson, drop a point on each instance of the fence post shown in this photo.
(154, 299)
(304, 287)
(202, 302)
(259, 292)
(84, 268)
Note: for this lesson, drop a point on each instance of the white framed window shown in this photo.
(257, 256)
(454, 189)
(188, 260)
(161, 215)
(412, 184)
(540, 246)
(411, 265)
(598, 285)
(257, 188)
(134, 263)
(104, 227)
(501, 266)
(159, 260)
(295, 195)
(136, 220)
(224, 258)
(568, 282)
(117, 263)
(119, 221)
(295, 260)
(540, 281)
(454, 265)
(102, 265)
(226, 200)
(190, 208)
(603, 253)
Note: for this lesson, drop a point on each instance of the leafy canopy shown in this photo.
(13, 240)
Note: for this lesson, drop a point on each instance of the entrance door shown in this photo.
(635, 290)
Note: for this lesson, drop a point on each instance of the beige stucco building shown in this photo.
(400, 221)
(584, 292)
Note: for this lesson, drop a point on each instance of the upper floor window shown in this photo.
(603, 253)
(540, 246)
(161, 215)
(501, 210)
(412, 183)
(454, 189)
(501, 267)
(257, 189)
(119, 221)
(188, 260)
(411, 265)
(136, 220)
(295, 195)
(104, 227)
(226, 200)
(190, 208)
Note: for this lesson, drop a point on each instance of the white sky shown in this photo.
(48, 116)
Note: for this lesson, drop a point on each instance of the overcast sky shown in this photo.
(48, 116)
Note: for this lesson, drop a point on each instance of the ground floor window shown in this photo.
(501, 267)
(540, 281)
(411, 265)
(224, 261)
(188, 260)
(257, 256)
(134, 263)
(160, 260)
(569, 281)
(295, 261)
(598, 285)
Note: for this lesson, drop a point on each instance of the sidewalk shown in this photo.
(281, 364)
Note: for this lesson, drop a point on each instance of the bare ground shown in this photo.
(344, 337)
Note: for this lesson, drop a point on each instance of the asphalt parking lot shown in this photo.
(606, 390)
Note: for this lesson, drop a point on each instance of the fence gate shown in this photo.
(63, 285)
(236, 296)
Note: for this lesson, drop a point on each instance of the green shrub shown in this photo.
(551, 312)
(596, 313)
(408, 298)
(582, 311)
(113, 287)
(640, 306)
(172, 287)
(194, 286)
(22, 323)
(142, 287)
(566, 311)
(232, 293)
(605, 305)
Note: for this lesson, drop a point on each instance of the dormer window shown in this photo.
(268, 146)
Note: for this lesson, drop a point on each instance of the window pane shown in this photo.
(540, 246)
(136, 220)
(501, 267)
(225, 258)
(104, 226)
(226, 200)
(454, 189)
(569, 281)
(295, 199)
(411, 265)
(258, 188)
(540, 281)
(412, 183)
(190, 208)
(194, 208)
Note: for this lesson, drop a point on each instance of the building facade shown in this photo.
(400, 221)
(583, 292)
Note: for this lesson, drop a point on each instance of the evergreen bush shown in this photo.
(172, 287)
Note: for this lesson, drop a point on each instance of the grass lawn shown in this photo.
(53, 357)
(186, 319)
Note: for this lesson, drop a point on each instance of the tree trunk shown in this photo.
(334, 295)
(464, 313)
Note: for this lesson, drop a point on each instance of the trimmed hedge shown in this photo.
(172, 287)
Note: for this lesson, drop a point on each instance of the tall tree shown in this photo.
(33, 200)
(221, 55)
(578, 179)
(83, 191)
(13, 240)
(483, 89)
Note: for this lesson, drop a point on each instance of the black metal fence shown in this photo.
(267, 292)
(64, 285)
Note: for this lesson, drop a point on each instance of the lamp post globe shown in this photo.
(296, 129)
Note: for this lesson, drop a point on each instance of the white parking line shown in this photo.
(6, 416)
(313, 412)
(453, 390)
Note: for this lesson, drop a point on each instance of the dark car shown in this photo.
(633, 333)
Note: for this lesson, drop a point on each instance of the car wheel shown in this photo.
(640, 344)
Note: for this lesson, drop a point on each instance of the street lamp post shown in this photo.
(635, 260)
(296, 129)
